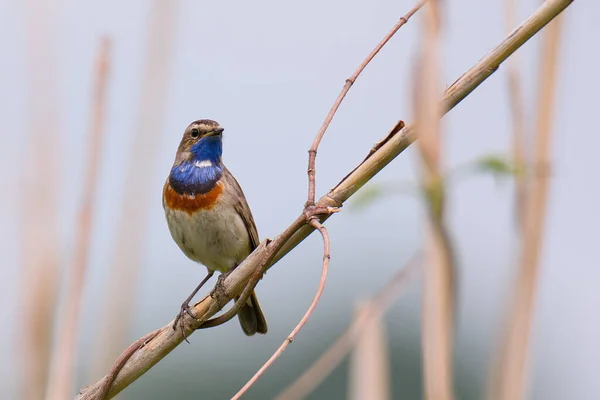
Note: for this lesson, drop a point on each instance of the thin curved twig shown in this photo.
(326, 363)
(122, 359)
(312, 152)
(326, 256)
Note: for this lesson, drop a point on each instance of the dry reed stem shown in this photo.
(369, 371)
(438, 290)
(331, 358)
(269, 252)
(326, 256)
(137, 193)
(62, 374)
(40, 196)
(513, 378)
(520, 160)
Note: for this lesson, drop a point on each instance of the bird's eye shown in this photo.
(194, 133)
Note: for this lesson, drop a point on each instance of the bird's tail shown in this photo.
(251, 317)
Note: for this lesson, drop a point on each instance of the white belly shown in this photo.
(216, 238)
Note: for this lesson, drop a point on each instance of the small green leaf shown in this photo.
(376, 191)
(367, 196)
(498, 166)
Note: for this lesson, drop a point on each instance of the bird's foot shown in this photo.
(185, 309)
(219, 290)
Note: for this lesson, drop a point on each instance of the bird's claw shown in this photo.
(219, 290)
(185, 309)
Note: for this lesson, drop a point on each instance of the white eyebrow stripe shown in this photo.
(203, 163)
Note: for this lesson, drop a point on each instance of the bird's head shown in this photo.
(201, 142)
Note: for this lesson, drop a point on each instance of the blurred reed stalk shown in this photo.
(333, 356)
(62, 372)
(517, 110)
(512, 381)
(438, 290)
(369, 375)
(40, 226)
(138, 191)
(520, 143)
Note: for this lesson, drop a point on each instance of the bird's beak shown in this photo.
(216, 132)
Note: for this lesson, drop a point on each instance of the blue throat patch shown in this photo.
(201, 173)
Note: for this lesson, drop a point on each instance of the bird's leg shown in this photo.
(185, 307)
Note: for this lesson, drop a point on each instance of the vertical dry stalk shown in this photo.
(516, 104)
(517, 108)
(62, 373)
(438, 302)
(513, 379)
(40, 199)
(138, 186)
(369, 365)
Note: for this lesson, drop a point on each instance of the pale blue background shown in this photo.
(268, 71)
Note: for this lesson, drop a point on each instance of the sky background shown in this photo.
(268, 72)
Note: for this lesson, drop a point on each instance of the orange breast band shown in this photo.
(191, 203)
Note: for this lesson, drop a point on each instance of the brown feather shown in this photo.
(251, 316)
(241, 206)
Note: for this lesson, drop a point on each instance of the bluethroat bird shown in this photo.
(208, 215)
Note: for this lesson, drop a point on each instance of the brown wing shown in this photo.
(241, 206)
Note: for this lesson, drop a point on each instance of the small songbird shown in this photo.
(208, 215)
